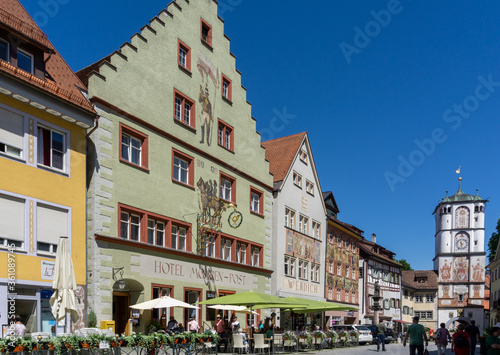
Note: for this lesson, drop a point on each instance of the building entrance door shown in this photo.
(120, 311)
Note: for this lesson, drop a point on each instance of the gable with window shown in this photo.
(256, 201)
(227, 188)
(225, 137)
(182, 168)
(226, 88)
(309, 187)
(184, 58)
(134, 147)
(205, 33)
(184, 110)
(297, 179)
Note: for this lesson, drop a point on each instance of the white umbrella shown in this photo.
(64, 284)
(162, 302)
(230, 307)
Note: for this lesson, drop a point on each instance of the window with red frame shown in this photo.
(182, 168)
(130, 225)
(227, 188)
(255, 256)
(184, 58)
(256, 201)
(161, 314)
(178, 240)
(206, 32)
(156, 232)
(227, 88)
(225, 137)
(184, 109)
(225, 249)
(134, 147)
(241, 253)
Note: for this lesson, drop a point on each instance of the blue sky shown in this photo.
(375, 84)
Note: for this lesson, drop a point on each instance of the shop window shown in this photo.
(226, 88)
(227, 188)
(206, 32)
(184, 110)
(184, 58)
(134, 147)
(182, 168)
(225, 137)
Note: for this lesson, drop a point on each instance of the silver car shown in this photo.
(365, 334)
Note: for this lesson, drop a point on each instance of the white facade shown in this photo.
(294, 205)
(460, 258)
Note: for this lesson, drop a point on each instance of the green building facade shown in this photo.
(179, 191)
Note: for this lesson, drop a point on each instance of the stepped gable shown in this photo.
(60, 80)
(281, 152)
(133, 46)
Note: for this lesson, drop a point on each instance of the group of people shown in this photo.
(463, 341)
(174, 327)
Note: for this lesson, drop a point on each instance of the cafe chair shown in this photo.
(238, 344)
(260, 343)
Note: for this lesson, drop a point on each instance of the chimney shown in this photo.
(374, 238)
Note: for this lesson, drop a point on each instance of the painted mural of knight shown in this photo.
(208, 73)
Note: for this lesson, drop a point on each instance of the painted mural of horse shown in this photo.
(211, 205)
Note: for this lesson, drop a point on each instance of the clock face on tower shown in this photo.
(461, 243)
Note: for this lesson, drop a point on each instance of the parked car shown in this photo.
(389, 333)
(365, 334)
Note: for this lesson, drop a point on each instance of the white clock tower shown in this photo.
(460, 258)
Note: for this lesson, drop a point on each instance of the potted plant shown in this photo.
(71, 342)
(181, 338)
(55, 343)
(91, 319)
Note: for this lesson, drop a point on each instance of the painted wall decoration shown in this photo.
(208, 73)
(304, 247)
(460, 269)
(462, 242)
(446, 291)
(445, 270)
(462, 217)
(209, 221)
(477, 270)
(477, 291)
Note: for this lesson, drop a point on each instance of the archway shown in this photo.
(125, 293)
(464, 320)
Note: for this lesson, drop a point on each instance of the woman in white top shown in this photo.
(18, 328)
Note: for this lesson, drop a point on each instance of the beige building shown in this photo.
(419, 297)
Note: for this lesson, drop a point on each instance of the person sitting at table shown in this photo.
(225, 338)
(243, 335)
(180, 328)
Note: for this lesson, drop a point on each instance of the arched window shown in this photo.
(462, 217)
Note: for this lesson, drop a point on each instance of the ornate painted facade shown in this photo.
(179, 197)
(460, 258)
(341, 265)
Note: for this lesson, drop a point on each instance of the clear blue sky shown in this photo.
(430, 72)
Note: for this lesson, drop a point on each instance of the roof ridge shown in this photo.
(286, 137)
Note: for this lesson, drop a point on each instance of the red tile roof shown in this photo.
(280, 153)
(61, 81)
(409, 278)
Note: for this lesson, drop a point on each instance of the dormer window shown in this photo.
(25, 61)
(422, 280)
(4, 50)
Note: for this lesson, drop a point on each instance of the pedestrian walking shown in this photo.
(441, 336)
(380, 334)
(492, 342)
(473, 332)
(461, 341)
(417, 335)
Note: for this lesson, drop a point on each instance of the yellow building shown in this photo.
(420, 297)
(44, 120)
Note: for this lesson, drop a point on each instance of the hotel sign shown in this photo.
(301, 286)
(183, 271)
